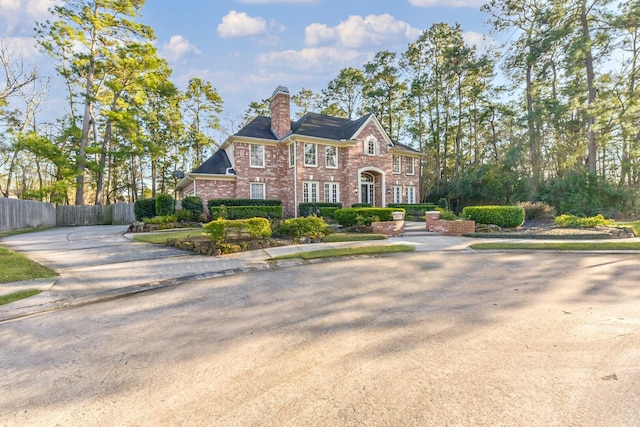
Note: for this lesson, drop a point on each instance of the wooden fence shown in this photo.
(17, 214)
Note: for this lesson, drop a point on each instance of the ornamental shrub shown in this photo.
(309, 226)
(244, 212)
(243, 202)
(194, 205)
(328, 212)
(144, 208)
(502, 216)
(361, 205)
(308, 209)
(349, 217)
(165, 205)
(416, 211)
(537, 211)
(572, 221)
(254, 228)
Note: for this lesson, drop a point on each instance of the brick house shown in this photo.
(317, 158)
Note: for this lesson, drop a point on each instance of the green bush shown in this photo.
(352, 216)
(572, 221)
(194, 205)
(221, 230)
(443, 204)
(502, 216)
(244, 212)
(328, 212)
(162, 219)
(243, 202)
(165, 205)
(537, 211)
(361, 205)
(308, 209)
(144, 208)
(308, 226)
(415, 211)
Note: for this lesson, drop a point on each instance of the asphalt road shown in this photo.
(429, 338)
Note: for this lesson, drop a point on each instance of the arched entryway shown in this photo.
(371, 184)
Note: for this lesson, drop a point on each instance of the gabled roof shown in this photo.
(218, 164)
(260, 127)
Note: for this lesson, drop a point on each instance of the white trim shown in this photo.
(262, 166)
(304, 148)
(259, 184)
(383, 184)
(326, 156)
(378, 125)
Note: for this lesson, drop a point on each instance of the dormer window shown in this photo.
(371, 146)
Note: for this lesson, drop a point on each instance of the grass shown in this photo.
(15, 296)
(561, 246)
(352, 237)
(163, 236)
(17, 267)
(633, 224)
(340, 252)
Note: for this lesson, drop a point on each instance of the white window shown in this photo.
(331, 157)
(396, 163)
(256, 156)
(257, 190)
(310, 154)
(397, 194)
(292, 155)
(371, 146)
(309, 192)
(331, 192)
(409, 165)
(410, 195)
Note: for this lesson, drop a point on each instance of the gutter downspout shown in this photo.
(295, 180)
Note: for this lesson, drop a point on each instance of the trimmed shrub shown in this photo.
(328, 212)
(537, 211)
(194, 205)
(144, 208)
(165, 205)
(572, 221)
(416, 211)
(364, 216)
(308, 226)
(502, 216)
(244, 212)
(221, 230)
(361, 205)
(162, 219)
(308, 209)
(243, 202)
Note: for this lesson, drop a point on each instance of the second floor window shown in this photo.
(310, 154)
(256, 156)
(409, 165)
(371, 146)
(292, 155)
(396, 163)
(331, 157)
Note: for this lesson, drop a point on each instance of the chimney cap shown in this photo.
(280, 89)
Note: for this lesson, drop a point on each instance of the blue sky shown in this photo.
(246, 48)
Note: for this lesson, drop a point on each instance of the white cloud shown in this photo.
(356, 31)
(178, 48)
(448, 3)
(317, 60)
(17, 16)
(482, 42)
(239, 24)
(21, 47)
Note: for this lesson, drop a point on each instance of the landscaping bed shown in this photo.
(547, 230)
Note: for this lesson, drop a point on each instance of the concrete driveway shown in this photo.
(428, 338)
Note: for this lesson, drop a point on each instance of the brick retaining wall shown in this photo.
(448, 228)
(389, 228)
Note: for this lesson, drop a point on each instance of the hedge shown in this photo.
(244, 212)
(165, 205)
(144, 208)
(416, 210)
(364, 216)
(243, 202)
(502, 216)
(308, 209)
(194, 205)
(255, 228)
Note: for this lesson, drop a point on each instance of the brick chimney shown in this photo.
(280, 112)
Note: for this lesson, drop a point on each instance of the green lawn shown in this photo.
(561, 246)
(6, 299)
(162, 236)
(352, 237)
(340, 252)
(17, 267)
(633, 224)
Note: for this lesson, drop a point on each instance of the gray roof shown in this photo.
(311, 124)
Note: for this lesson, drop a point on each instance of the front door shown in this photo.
(367, 189)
